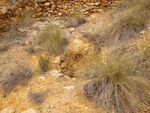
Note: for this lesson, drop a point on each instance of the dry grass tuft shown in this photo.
(44, 63)
(19, 74)
(53, 40)
(130, 20)
(26, 18)
(127, 27)
(13, 33)
(30, 49)
(4, 47)
(112, 82)
(144, 66)
(76, 21)
(37, 98)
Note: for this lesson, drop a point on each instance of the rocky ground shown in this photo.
(64, 95)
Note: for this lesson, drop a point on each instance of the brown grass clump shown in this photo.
(30, 49)
(76, 21)
(37, 98)
(26, 19)
(4, 47)
(129, 22)
(19, 74)
(127, 27)
(53, 40)
(111, 81)
(144, 66)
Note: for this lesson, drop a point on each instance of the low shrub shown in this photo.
(127, 27)
(19, 74)
(44, 63)
(4, 47)
(26, 19)
(112, 82)
(53, 40)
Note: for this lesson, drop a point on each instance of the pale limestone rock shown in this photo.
(69, 87)
(31, 110)
(7, 110)
(71, 29)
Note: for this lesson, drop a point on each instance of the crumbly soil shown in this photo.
(64, 95)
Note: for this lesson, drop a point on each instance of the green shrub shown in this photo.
(53, 40)
(19, 74)
(112, 82)
(44, 63)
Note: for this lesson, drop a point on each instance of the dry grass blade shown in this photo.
(19, 74)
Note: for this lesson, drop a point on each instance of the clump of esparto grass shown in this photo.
(133, 17)
(76, 21)
(53, 40)
(30, 49)
(4, 47)
(126, 4)
(144, 62)
(26, 18)
(111, 81)
(128, 26)
(37, 98)
(94, 39)
(13, 33)
(44, 63)
(19, 74)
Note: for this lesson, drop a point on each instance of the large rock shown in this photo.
(29, 111)
(7, 110)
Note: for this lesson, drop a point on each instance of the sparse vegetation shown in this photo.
(111, 81)
(37, 98)
(127, 27)
(44, 63)
(26, 18)
(30, 49)
(53, 40)
(76, 21)
(144, 62)
(13, 33)
(19, 74)
(4, 47)
(133, 18)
